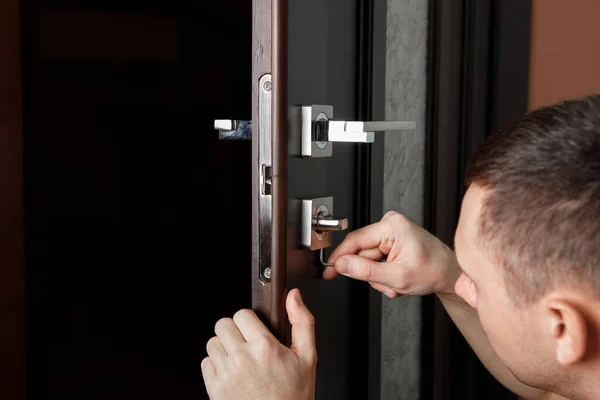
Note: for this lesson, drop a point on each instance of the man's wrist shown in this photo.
(451, 276)
(449, 297)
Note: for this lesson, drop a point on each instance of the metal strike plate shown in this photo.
(243, 130)
(265, 198)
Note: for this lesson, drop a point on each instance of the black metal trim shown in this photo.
(377, 112)
(365, 340)
(478, 69)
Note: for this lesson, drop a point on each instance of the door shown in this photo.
(144, 227)
(137, 216)
(312, 72)
(313, 61)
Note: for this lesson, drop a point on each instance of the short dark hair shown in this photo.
(541, 214)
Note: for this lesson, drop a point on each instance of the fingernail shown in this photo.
(343, 266)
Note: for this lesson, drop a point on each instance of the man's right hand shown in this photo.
(417, 263)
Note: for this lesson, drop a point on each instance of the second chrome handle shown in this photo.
(325, 222)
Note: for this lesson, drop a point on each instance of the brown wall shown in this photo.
(565, 50)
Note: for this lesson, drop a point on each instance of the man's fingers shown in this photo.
(388, 291)
(303, 327)
(365, 238)
(208, 370)
(363, 269)
(228, 334)
(329, 273)
(216, 352)
(251, 327)
(373, 254)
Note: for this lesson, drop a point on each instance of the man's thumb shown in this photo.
(361, 268)
(303, 327)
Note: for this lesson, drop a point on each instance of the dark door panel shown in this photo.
(138, 217)
(141, 225)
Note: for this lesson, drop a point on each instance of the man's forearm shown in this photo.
(466, 319)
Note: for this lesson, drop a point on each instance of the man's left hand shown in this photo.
(245, 361)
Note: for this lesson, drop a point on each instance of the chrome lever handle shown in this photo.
(377, 126)
(324, 222)
(334, 131)
(355, 131)
(317, 130)
(319, 223)
(234, 129)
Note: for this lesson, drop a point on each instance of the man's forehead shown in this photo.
(469, 214)
(472, 204)
(467, 230)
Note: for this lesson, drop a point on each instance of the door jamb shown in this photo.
(478, 72)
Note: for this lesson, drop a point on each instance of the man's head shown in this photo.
(529, 239)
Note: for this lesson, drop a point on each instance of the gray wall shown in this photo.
(404, 184)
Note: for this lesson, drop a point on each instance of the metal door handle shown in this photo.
(325, 222)
(377, 126)
(356, 131)
(319, 130)
(318, 223)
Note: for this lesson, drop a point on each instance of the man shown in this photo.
(523, 285)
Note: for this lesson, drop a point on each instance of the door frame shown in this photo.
(478, 80)
(366, 302)
(370, 164)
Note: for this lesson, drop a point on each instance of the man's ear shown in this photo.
(568, 328)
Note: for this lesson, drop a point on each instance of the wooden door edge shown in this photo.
(269, 56)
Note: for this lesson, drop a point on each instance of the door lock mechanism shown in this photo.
(319, 223)
(324, 222)
(262, 219)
